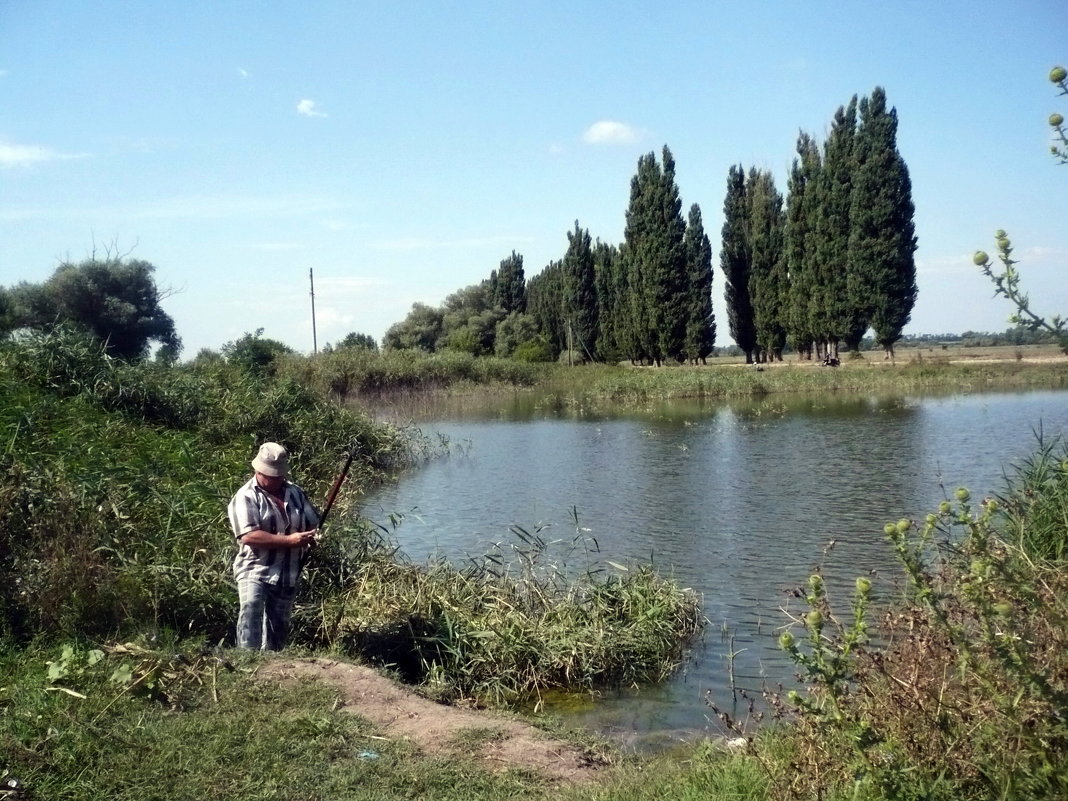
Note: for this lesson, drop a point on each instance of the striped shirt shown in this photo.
(252, 508)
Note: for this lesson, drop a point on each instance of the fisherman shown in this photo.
(275, 524)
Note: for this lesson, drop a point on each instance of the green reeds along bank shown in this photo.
(501, 634)
(114, 480)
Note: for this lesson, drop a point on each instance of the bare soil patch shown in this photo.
(498, 742)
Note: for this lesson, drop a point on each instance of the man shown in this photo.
(275, 524)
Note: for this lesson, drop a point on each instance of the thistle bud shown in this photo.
(794, 697)
(903, 525)
(814, 619)
(889, 529)
(1057, 74)
(980, 258)
(815, 581)
(786, 641)
(944, 507)
(1056, 120)
(962, 495)
(863, 585)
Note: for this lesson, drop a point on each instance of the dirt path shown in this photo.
(497, 742)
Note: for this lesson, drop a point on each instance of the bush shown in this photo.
(962, 691)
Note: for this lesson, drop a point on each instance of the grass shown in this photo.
(209, 732)
(512, 625)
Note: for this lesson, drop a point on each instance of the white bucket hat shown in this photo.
(272, 460)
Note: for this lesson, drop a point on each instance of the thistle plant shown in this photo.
(1007, 280)
(1007, 284)
(1059, 76)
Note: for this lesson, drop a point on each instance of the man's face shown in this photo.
(270, 483)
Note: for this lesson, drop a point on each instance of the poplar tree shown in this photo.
(508, 284)
(734, 260)
(545, 298)
(700, 322)
(639, 237)
(610, 282)
(882, 238)
(767, 268)
(656, 259)
(835, 319)
(800, 264)
(580, 294)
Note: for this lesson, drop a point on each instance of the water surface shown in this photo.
(739, 501)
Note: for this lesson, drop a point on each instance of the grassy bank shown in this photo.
(114, 483)
(355, 374)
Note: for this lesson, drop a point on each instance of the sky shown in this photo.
(402, 150)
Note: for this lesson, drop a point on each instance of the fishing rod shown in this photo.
(331, 497)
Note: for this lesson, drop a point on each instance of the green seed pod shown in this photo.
(980, 258)
(1056, 120)
(931, 519)
(962, 494)
(890, 529)
(1057, 74)
(863, 585)
(814, 619)
(944, 507)
(786, 641)
(1004, 243)
(903, 525)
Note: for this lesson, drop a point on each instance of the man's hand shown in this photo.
(265, 539)
(299, 539)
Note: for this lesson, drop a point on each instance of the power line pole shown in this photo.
(315, 341)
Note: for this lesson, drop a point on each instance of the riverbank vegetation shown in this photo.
(115, 479)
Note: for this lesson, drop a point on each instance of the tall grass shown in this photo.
(513, 623)
(114, 480)
(356, 373)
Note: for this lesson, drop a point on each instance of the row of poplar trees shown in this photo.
(838, 260)
(649, 299)
(815, 272)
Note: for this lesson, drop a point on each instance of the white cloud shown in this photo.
(12, 155)
(308, 108)
(610, 132)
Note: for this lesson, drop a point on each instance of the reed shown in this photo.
(514, 623)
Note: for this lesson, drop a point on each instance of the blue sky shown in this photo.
(403, 149)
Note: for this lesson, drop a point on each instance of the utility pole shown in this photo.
(315, 342)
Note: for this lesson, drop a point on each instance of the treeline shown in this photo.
(812, 272)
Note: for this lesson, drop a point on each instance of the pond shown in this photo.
(739, 501)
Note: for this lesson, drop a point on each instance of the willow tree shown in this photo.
(114, 299)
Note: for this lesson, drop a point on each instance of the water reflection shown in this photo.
(740, 501)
